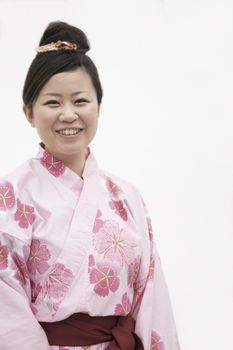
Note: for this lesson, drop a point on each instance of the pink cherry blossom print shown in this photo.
(139, 288)
(21, 268)
(39, 255)
(149, 224)
(59, 281)
(114, 243)
(156, 341)
(3, 256)
(151, 268)
(119, 208)
(35, 290)
(91, 261)
(133, 271)
(98, 222)
(34, 310)
(124, 308)
(7, 197)
(112, 187)
(24, 215)
(55, 166)
(105, 278)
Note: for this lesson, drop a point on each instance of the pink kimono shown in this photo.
(70, 245)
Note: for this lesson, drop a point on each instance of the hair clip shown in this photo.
(59, 45)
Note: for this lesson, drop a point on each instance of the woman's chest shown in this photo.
(93, 246)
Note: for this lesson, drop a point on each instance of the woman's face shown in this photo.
(65, 113)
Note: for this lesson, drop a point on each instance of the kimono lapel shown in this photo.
(76, 246)
(79, 237)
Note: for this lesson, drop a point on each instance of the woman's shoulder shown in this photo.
(19, 173)
(122, 188)
(118, 181)
(21, 182)
(16, 211)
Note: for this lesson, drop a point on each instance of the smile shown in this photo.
(69, 131)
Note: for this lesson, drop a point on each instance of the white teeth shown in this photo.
(69, 131)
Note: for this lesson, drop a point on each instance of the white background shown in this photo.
(166, 125)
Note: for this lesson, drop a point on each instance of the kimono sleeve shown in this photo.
(151, 306)
(19, 328)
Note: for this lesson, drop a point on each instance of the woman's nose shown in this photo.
(68, 114)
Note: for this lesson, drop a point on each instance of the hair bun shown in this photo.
(65, 32)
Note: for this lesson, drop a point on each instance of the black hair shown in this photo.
(46, 64)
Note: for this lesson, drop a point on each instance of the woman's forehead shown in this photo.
(75, 81)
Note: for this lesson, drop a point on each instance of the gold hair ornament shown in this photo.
(59, 45)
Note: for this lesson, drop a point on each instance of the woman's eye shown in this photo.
(52, 102)
(80, 101)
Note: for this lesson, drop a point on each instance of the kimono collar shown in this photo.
(58, 169)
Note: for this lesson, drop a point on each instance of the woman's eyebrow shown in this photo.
(59, 95)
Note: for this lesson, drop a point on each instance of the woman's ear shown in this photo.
(28, 113)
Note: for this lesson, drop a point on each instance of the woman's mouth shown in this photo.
(72, 131)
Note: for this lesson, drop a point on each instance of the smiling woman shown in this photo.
(67, 124)
(79, 266)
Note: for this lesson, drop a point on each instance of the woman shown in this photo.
(78, 266)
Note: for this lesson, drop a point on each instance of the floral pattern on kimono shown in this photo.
(114, 242)
(71, 245)
(124, 308)
(3, 256)
(52, 164)
(39, 255)
(7, 196)
(104, 276)
(156, 341)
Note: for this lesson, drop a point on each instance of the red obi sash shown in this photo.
(84, 330)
